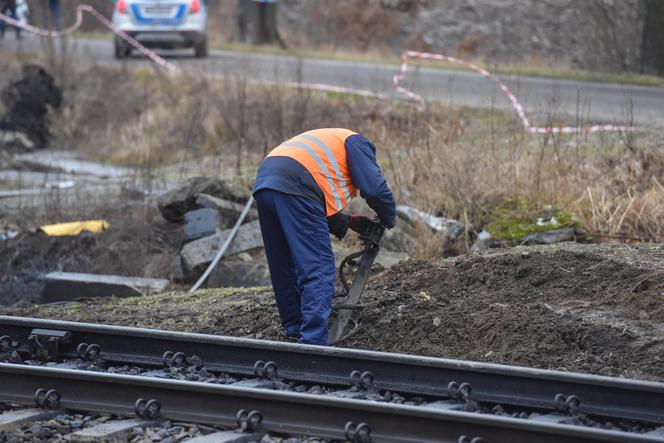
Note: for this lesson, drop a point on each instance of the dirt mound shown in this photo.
(584, 308)
(27, 99)
(26, 258)
(587, 308)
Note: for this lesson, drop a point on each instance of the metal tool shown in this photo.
(370, 239)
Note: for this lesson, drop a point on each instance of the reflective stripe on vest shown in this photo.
(323, 153)
(321, 165)
(333, 162)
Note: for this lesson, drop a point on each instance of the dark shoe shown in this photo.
(293, 338)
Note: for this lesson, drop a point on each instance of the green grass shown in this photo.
(515, 219)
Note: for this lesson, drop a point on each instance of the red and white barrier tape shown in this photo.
(400, 76)
(77, 24)
(165, 63)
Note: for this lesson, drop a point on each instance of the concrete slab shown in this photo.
(12, 420)
(199, 253)
(110, 432)
(550, 418)
(200, 223)
(227, 437)
(62, 286)
(445, 405)
(254, 383)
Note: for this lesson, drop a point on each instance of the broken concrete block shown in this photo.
(230, 211)
(199, 253)
(446, 226)
(112, 431)
(176, 203)
(13, 420)
(200, 223)
(63, 286)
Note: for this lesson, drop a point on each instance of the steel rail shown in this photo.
(282, 412)
(412, 375)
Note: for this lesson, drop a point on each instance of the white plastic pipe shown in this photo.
(225, 246)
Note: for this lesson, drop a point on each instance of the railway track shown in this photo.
(333, 393)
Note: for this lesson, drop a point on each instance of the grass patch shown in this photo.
(177, 310)
(515, 219)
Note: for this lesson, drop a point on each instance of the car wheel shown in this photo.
(119, 49)
(201, 49)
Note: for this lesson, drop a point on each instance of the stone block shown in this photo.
(13, 420)
(199, 253)
(112, 431)
(200, 223)
(64, 286)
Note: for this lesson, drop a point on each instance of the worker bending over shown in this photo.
(301, 188)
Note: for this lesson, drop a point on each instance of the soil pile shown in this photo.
(571, 307)
(25, 126)
(586, 308)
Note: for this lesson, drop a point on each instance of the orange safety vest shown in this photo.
(323, 153)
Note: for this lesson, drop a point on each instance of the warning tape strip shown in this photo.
(171, 66)
(400, 76)
(106, 22)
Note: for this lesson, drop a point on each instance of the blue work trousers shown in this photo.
(301, 261)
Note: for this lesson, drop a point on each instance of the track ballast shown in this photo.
(328, 392)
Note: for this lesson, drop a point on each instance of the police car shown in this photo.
(163, 24)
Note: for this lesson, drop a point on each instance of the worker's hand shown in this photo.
(360, 223)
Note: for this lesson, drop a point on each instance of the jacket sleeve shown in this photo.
(366, 176)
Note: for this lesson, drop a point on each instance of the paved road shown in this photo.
(542, 98)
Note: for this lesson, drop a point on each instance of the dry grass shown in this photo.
(450, 161)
